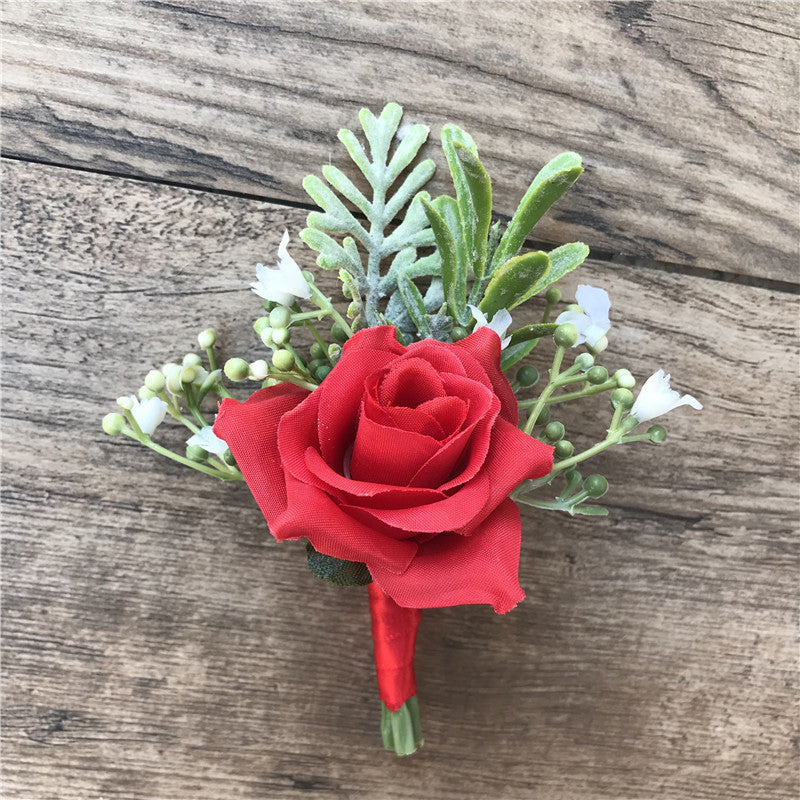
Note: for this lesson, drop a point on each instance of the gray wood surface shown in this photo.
(685, 113)
(159, 644)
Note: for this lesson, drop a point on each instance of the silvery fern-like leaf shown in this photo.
(366, 243)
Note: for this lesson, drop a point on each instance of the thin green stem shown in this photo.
(547, 391)
(212, 361)
(310, 325)
(148, 442)
(191, 404)
(292, 377)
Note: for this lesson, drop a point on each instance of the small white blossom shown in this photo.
(500, 323)
(208, 440)
(656, 398)
(284, 284)
(592, 320)
(149, 413)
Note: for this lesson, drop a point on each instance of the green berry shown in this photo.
(145, 393)
(321, 372)
(584, 361)
(554, 431)
(317, 351)
(624, 379)
(207, 338)
(597, 375)
(658, 433)
(113, 424)
(155, 380)
(339, 333)
(237, 369)
(174, 380)
(260, 324)
(280, 317)
(596, 486)
(527, 376)
(544, 416)
(188, 374)
(192, 360)
(552, 296)
(266, 336)
(280, 335)
(282, 360)
(622, 398)
(196, 453)
(228, 458)
(566, 335)
(564, 449)
(125, 402)
(459, 332)
(600, 345)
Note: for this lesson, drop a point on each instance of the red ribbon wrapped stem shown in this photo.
(394, 632)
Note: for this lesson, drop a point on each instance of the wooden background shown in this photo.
(157, 643)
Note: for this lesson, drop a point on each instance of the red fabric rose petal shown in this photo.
(451, 570)
(250, 431)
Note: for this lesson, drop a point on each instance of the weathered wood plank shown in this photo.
(685, 112)
(158, 643)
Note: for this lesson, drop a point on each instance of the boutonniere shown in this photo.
(399, 436)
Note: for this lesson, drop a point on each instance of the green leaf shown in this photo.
(562, 260)
(331, 254)
(414, 181)
(347, 188)
(480, 189)
(453, 136)
(406, 151)
(514, 282)
(414, 303)
(552, 181)
(453, 277)
(516, 352)
(528, 332)
(380, 131)
(336, 570)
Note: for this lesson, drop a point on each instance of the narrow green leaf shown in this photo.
(334, 208)
(414, 181)
(406, 151)
(380, 131)
(552, 181)
(528, 332)
(562, 260)
(331, 254)
(448, 209)
(516, 352)
(347, 188)
(452, 135)
(357, 153)
(514, 281)
(480, 189)
(447, 252)
(414, 303)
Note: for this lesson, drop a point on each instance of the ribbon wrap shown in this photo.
(394, 633)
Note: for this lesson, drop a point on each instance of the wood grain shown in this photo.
(684, 112)
(159, 645)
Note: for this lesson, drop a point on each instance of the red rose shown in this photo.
(403, 459)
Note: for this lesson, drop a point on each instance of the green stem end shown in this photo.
(400, 730)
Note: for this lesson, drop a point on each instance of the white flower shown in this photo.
(656, 398)
(283, 284)
(149, 414)
(592, 321)
(499, 324)
(208, 440)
